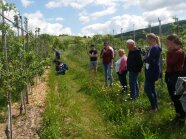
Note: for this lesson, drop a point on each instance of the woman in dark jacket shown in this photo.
(175, 63)
(152, 69)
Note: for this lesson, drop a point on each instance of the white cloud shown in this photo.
(158, 4)
(125, 21)
(152, 10)
(109, 7)
(107, 11)
(162, 9)
(26, 3)
(128, 3)
(84, 19)
(55, 19)
(68, 3)
(46, 27)
(79, 4)
(59, 19)
(10, 15)
(163, 14)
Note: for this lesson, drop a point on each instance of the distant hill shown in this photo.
(166, 29)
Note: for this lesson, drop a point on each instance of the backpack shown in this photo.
(62, 68)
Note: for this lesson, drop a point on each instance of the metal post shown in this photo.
(18, 26)
(134, 33)
(26, 28)
(36, 41)
(27, 84)
(121, 34)
(9, 123)
(22, 34)
(149, 28)
(160, 35)
(177, 26)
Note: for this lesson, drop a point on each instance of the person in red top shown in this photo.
(107, 58)
(121, 69)
(175, 63)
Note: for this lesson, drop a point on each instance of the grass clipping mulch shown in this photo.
(26, 126)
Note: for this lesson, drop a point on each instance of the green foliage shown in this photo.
(25, 60)
(124, 118)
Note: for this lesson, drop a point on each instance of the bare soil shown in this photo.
(26, 126)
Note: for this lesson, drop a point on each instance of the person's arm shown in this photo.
(139, 60)
(95, 54)
(151, 56)
(112, 58)
(90, 54)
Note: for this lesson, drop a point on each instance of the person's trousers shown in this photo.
(107, 73)
(151, 93)
(171, 80)
(123, 79)
(134, 86)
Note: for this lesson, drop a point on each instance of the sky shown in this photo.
(90, 17)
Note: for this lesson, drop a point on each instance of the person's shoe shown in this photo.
(181, 123)
(175, 120)
(131, 99)
(152, 110)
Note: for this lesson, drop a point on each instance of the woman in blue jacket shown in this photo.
(152, 69)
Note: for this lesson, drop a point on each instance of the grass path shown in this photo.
(72, 113)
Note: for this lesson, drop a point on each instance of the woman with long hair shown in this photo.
(152, 69)
(174, 69)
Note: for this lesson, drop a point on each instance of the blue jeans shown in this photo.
(151, 93)
(108, 73)
(133, 82)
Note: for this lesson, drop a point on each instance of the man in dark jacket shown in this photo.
(134, 65)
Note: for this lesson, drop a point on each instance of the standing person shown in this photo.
(175, 63)
(121, 69)
(152, 69)
(107, 59)
(93, 59)
(134, 65)
(57, 55)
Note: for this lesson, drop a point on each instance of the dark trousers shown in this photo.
(151, 93)
(171, 79)
(123, 79)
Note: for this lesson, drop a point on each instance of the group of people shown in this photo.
(133, 63)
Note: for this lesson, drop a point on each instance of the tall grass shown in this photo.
(130, 119)
(124, 118)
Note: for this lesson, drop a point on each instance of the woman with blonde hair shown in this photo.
(121, 69)
(152, 69)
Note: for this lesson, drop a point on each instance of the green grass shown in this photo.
(70, 113)
(123, 118)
